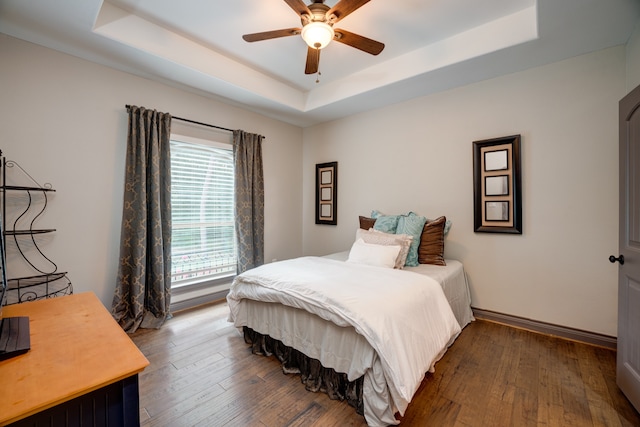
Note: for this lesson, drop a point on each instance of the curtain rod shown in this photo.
(197, 123)
(201, 124)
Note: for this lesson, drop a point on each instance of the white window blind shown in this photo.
(203, 244)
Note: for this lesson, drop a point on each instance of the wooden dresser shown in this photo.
(82, 368)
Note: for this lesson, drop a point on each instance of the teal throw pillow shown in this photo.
(412, 225)
(386, 223)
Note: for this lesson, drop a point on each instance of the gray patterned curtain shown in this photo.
(143, 289)
(249, 199)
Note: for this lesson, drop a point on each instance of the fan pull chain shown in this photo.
(318, 77)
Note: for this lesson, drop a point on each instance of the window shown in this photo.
(203, 246)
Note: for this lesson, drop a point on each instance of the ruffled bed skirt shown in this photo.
(313, 375)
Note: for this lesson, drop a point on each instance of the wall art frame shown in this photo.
(497, 186)
(327, 193)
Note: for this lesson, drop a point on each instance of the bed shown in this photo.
(365, 323)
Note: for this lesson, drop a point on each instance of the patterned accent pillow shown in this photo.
(431, 248)
(386, 223)
(380, 238)
(447, 226)
(412, 225)
(366, 223)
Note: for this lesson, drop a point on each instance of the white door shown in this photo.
(628, 358)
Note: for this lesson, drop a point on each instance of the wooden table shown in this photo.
(82, 366)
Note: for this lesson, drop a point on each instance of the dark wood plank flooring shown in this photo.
(203, 374)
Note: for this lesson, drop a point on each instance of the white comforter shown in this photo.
(403, 315)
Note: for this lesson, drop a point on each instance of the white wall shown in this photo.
(633, 59)
(417, 156)
(64, 120)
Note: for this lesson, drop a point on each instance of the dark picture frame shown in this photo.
(327, 193)
(497, 187)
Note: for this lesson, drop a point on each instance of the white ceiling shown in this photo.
(430, 45)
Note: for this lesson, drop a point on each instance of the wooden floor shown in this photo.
(203, 374)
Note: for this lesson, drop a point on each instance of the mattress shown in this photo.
(451, 277)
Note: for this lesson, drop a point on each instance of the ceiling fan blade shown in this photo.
(359, 42)
(299, 7)
(344, 8)
(274, 34)
(313, 61)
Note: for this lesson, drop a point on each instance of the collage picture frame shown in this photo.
(326, 193)
(497, 185)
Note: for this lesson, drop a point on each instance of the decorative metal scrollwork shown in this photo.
(49, 282)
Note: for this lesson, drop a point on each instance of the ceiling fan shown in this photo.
(317, 29)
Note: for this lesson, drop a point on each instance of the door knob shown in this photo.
(620, 259)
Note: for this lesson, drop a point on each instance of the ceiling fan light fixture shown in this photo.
(317, 34)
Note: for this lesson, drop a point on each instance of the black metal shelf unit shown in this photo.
(48, 282)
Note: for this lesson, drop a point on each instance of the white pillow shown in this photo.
(380, 238)
(371, 254)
